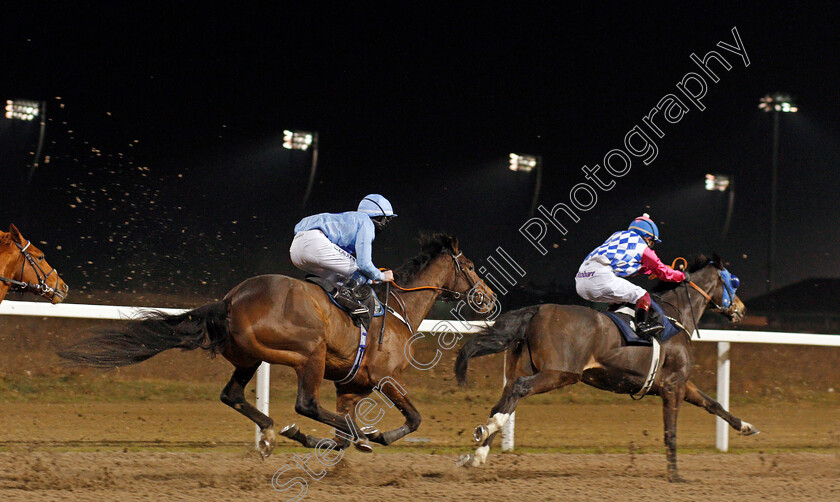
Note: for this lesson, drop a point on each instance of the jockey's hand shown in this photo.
(388, 276)
(687, 278)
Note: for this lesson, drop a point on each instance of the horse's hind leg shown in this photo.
(699, 398)
(233, 395)
(514, 392)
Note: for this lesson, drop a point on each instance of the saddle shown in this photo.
(366, 296)
(623, 315)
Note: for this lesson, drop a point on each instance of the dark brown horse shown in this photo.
(552, 346)
(23, 268)
(291, 322)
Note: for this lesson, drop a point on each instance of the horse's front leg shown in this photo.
(672, 395)
(346, 401)
(699, 398)
(397, 396)
(515, 390)
(293, 432)
(310, 375)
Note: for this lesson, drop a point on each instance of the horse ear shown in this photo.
(15, 233)
(718, 261)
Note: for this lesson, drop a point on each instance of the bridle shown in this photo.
(730, 311)
(41, 288)
(454, 295)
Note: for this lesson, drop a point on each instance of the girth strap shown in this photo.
(654, 369)
(360, 354)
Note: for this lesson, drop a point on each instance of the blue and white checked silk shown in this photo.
(623, 250)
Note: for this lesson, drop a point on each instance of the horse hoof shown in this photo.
(266, 443)
(290, 431)
(677, 479)
(481, 433)
(464, 461)
(747, 429)
(363, 446)
(370, 431)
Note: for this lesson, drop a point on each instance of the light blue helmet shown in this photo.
(375, 205)
(645, 227)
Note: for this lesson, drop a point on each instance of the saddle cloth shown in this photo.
(624, 316)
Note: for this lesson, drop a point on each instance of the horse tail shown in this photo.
(205, 328)
(507, 332)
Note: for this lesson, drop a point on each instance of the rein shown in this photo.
(455, 295)
(382, 328)
(688, 295)
(716, 307)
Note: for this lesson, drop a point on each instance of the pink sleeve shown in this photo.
(654, 265)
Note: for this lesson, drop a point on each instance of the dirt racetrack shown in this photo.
(202, 450)
(416, 476)
(158, 432)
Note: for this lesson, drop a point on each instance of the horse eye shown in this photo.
(470, 267)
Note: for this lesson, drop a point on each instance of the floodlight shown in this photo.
(22, 109)
(777, 102)
(297, 140)
(525, 163)
(717, 182)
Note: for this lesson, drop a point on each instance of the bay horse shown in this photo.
(282, 320)
(552, 346)
(24, 268)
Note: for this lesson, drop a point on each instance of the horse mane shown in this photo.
(431, 246)
(695, 263)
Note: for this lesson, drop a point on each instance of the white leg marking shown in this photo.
(496, 422)
(480, 455)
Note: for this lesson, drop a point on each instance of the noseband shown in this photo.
(41, 288)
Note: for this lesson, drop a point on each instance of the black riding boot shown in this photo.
(358, 300)
(349, 296)
(647, 326)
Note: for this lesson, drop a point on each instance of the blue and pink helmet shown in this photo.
(645, 227)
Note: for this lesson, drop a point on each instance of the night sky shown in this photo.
(166, 169)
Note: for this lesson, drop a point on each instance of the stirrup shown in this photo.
(648, 330)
